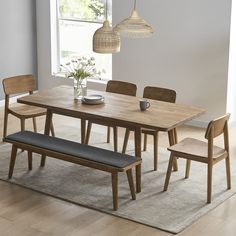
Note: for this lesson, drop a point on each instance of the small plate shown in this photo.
(93, 99)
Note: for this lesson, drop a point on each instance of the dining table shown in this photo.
(116, 110)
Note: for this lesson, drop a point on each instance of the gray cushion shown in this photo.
(74, 149)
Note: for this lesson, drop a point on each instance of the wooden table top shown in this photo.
(121, 110)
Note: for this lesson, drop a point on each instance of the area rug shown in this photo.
(171, 211)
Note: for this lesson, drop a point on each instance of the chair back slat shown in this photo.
(160, 94)
(18, 84)
(217, 126)
(121, 87)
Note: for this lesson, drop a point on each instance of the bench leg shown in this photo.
(12, 161)
(114, 177)
(131, 183)
(30, 160)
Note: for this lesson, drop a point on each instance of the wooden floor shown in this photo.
(25, 212)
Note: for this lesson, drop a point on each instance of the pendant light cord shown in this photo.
(106, 10)
(134, 4)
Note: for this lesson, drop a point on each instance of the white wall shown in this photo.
(17, 38)
(188, 52)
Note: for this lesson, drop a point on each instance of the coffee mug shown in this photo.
(144, 105)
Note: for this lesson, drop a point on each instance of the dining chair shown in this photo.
(206, 152)
(120, 87)
(17, 85)
(155, 93)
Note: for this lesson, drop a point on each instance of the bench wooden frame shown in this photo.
(76, 160)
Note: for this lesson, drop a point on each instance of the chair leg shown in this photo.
(168, 173)
(227, 164)
(12, 161)
(155, 147)
(115, 137)
(5, 124)
(52, 130)
(131, 183)
(188, 162)
(209, 182)
(30, 160)
(145, 143)
(108, 134)
(89, 126)
(114, 177)
(34, 124)
(126, 139)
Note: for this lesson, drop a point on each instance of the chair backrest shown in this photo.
(160, 94)
(121, 87)
(217, 127)
(18, 84)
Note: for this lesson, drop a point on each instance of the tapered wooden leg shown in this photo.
(5, 124)
(83, 130)
(228, 175)
(108, 134)
(114, 177)
(12, 161)
(22, 124)
(145, 142)
(209, 182)
(173, 140)
(137, 141)
(168, 173)
(46, 132)
(126, 139)
(34, 124)
(115, 136)
(89, 126)
(52, 130)
(155, 147)
(131, 183)
(188, 162)
(30, 160)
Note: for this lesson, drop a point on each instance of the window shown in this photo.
(77, 22)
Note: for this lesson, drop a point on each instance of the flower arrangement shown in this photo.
(80, 68)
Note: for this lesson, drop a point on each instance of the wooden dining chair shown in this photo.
(155, 93)
(120, 87)
(205, 152)
(17, 85)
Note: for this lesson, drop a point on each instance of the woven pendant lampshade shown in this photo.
(134, 26)
(106, 40)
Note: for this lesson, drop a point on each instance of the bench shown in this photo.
(85, 155)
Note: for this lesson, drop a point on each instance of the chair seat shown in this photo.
(149, 131)
(196, 148)
(26, 111)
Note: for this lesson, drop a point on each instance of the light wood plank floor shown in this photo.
(25, 212)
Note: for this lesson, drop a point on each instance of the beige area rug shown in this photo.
(172, 211)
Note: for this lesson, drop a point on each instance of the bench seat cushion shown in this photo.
(74, 149)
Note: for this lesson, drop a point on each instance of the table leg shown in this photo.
(137, 141)
(46, 132)
(83, 130)
(172, 134)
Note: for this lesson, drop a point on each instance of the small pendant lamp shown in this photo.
(134, 26)
(106, 39)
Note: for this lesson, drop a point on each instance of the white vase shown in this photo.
(80, 88)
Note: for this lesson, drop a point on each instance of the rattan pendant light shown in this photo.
(106, 39)
(134, 26)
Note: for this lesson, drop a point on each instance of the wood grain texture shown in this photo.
(120, 110)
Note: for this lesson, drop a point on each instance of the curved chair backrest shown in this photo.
(18, 84)
(217, 127)
(160, 94)
(121, 87)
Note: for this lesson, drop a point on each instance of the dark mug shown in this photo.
(144, 105)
